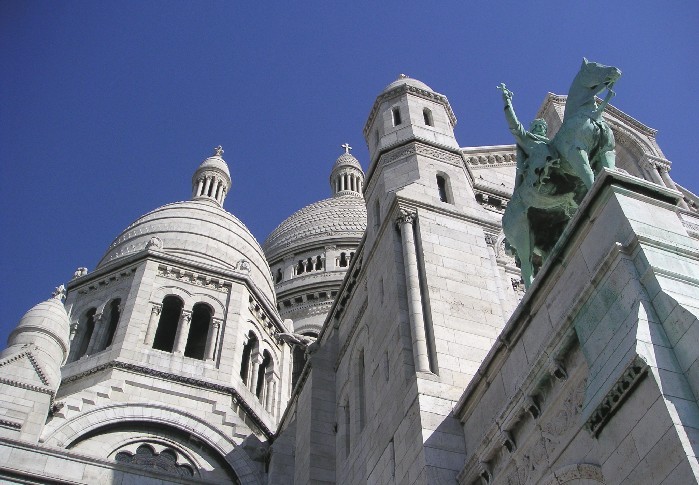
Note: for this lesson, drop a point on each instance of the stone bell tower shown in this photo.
(432, 304)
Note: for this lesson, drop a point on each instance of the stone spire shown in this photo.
(212, 180)
(347, 176)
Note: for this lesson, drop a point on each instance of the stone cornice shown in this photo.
(191, 381)
(405, 89)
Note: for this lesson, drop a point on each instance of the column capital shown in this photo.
(406, 216)
(156, 309)
(186, 316)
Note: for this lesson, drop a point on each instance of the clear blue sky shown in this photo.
(106, 108)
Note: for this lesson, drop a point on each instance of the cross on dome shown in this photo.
(218, 151)
(346, 147)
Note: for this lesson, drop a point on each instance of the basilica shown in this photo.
(383, 335)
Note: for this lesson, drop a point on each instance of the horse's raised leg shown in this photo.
(580, 163)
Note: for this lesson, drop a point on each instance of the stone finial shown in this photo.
(403, 76)
(347, 147)
(218, 151)
(59, 293)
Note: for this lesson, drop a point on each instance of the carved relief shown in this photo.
(178, 274)
(616, 396)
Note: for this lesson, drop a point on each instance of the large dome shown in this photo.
(201, 232)
(334, 218)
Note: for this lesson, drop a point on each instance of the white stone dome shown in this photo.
(49, 318)
(201, 232)
(338, 217)
(347, 159)
(403, 79)
(216, 163)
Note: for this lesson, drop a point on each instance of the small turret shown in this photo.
(407, 110)
(31, 365)
(347, 176)
(212, 180)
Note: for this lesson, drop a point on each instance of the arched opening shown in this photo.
(261, 371)
(88, 327)
(343, 260)
(300, 267)
(427, 115)
(309, 265)
(443, 189)
(198, 331)
(279, 276)
(248, 347)
(319, 263)
(361, 390)
(167, 325)
(377, 214)
(395, 113)
(114, 314)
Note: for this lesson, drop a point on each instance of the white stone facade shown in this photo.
(171, 362)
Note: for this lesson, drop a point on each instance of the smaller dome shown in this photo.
(347, 159)
(403, 79)
(47, 318)
(215, 162)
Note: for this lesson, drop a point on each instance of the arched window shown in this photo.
(361, 390)
(261, 371)
(279, 276)
(343, 260)
(377, 214)
(87, 326)
(427, 115)
(167, 325)
(395, 112)
(114, 314)
(348, 431)
(309, 265)
(300, 268)
(319, 263)
(198, 331)
(249, 346)
(443, 189)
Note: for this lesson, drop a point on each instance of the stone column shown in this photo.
(96, 333)
(412, 281)
(182, 332)
(152, 324)
(670, 184)
(653, 170)
(200, 185)
(207, 185)
(270, 387)
(212, 339)
(255, 361)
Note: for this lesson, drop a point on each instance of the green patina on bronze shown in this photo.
(553, 175)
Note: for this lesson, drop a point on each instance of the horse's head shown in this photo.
(594, 76)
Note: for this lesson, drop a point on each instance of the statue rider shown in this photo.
(533, 146)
